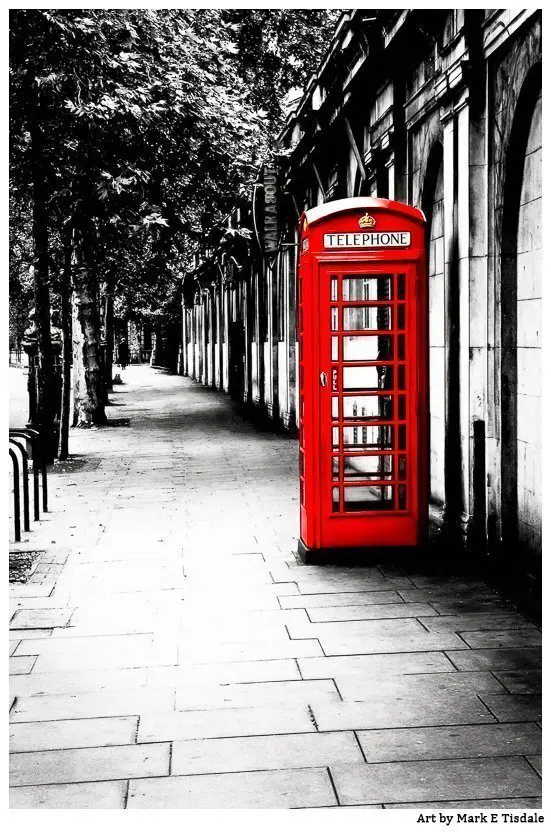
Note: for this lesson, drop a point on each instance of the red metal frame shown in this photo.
(363, 450)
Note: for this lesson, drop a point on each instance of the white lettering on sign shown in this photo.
(368, 239)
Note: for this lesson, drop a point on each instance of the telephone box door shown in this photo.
(368, 405)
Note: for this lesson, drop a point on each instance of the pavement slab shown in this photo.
(80, 765)
(171, 651)
(105, 795)
(288, 789)
(263, 753)
(402, 709)
(470, 779)
(408, 744)
(72, 733)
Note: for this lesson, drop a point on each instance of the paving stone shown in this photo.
(13, 645)
(21, 664)
(340, 599)
(89, 645)
(72, 733)
(382, 629)
(503, 638)
(265, 670)
(489, 603)
(407, 744)
(520, 681)
(496, 659)
(358, 687)
(108, 703)
(391, 664)
(474, 779)
(480, 621)
(38, 619)
(31, 590)
(197, 697)
(368, 612)
(263, 753)
(406, 643)
(514, 708)
(88, 764)
(162, 653)
(68, 796)
(535, 761)
(30, 634)
(470, 805)
(226, 722)
(349, 584)
(290, 789)
(251, 651)
(450, 594)
(402, 710)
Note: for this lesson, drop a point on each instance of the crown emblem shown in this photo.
(367, 221)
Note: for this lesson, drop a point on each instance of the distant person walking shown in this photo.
(123, 353)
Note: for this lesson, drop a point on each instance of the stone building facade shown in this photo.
(440, 109)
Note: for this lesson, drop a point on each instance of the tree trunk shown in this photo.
(66, 349)
(45, 405)
(89, 386)
(108, 325)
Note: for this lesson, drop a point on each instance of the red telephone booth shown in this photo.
(362, 323)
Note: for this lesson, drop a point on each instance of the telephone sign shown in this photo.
(362, 376)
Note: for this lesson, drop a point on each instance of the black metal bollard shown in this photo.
(16, 502)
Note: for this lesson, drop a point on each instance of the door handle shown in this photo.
(323, 379)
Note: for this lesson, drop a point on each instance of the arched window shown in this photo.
(521, 324)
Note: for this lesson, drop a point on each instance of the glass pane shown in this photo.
(401, 407)
(401, 467)
(334, 288)
(401, 316)
(335, 407)
(401, 347)
(367, 288)
(368, 498)
(402, 502)
(367, 407)
(367, 436)
(367, 467)
(367, 378)
(334, 318)
(335, 348)
(401, 377)
(335, 432)
(335, 468)
(367, 317)
(335, 494)
(367, 347)
(301, 465)
(401, 287)
(402, 437)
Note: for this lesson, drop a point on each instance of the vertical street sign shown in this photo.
(265, 213)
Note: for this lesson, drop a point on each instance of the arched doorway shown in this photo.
(521, 326)
(433, 207)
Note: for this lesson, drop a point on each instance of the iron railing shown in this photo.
(19, 441)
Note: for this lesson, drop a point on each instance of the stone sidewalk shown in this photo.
(170, 652)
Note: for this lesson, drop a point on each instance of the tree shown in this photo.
(141, 128)
(278, 50)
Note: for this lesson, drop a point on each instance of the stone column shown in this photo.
(452, 473)
(203, 348)
(463, 257)
(479, 334)
(184, 339)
